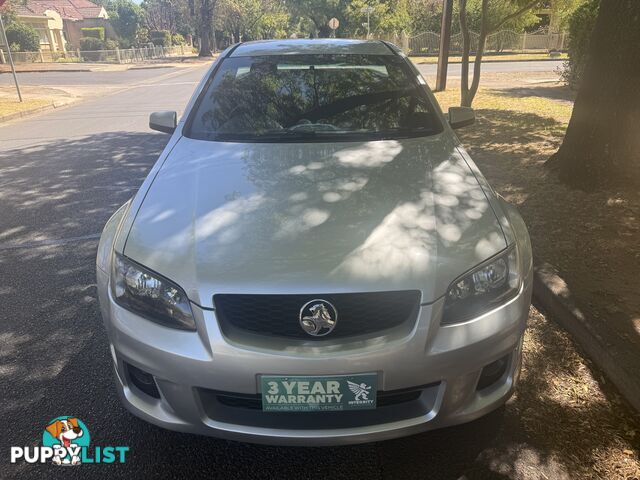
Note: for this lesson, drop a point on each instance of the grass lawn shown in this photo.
(492, 58)
(9, 106)
(567, 408)
(520, 100)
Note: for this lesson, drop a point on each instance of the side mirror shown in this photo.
(165, 121)
(461, 116)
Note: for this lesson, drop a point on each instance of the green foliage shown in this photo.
(8, 15)
(23, 36)
(110, 44)
(312, 15)
(176, 16)
(581, 24)
(90, 44)
(498, 10)
(160, 37)
(252, 19)
(177, 39)
(386, 17)
(424, 15)
(563, 9)
(93, 32)
(274, 25)
(125, 17)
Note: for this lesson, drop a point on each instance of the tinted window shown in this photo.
(313, 98)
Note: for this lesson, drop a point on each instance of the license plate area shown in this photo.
(325, 393)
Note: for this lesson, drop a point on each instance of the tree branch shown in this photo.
(513, 15)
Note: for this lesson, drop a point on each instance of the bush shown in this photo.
(91, 43)
(24, 36)
(160, 37)
(581, 23)
(177, 39)
(93, 32)
(110, 44)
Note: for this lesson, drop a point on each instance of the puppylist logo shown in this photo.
(66, 441)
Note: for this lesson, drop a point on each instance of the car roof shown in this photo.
(311, 46)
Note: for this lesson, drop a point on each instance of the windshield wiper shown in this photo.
(268, 135)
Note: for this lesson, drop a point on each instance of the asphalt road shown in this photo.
(62, 175)
(130, 76)
(109, 78)
(497, 67)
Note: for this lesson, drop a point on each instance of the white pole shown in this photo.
(13, 67)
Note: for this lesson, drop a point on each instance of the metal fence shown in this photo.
(428, 43)
(129, 55)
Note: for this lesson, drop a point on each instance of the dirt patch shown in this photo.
(570, 411)
(593, 239)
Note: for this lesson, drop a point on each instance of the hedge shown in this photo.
(93, 32)
(91, 43)
(160, 37)
(581, 24)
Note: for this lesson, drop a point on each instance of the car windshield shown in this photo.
(314, 98)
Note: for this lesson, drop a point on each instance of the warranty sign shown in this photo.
(317, 394)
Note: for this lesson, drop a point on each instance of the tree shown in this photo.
(125, 17)
(602, 146)
(319, 12)
(163, 14)
(244, 19)
(205, 27)
(425, 15)
(386, 17)
(494, 15)
(22, 37)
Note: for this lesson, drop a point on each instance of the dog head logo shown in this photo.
(67, 436)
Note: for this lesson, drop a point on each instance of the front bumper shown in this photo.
(443, 362)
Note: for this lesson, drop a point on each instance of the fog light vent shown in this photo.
(143, 381)
(493, 372)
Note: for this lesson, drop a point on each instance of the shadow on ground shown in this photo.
(594, 239)
(55, 359)
(70, 188)
(559, 92)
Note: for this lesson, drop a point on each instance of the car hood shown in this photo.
(314, 218)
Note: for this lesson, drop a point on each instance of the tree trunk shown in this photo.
(206, 27)
(602, 143)
(466, 48)
(477, 64)
(467, 94)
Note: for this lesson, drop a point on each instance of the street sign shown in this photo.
(333, 23)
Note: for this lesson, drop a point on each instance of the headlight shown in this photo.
(486, 286)
(150, 295)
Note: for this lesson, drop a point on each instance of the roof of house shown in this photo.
(68, 9)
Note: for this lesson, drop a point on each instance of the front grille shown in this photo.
(254, 402)
(278, 315)
(392, 406)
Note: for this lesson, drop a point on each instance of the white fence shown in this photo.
(428, 43)
(129, 55)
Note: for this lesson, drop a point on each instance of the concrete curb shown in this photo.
(47, 70)
(553, 296)
(33, 111)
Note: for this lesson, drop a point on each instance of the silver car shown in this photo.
(314, 259)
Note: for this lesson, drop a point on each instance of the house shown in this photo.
(48, 23)
(46, 16)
